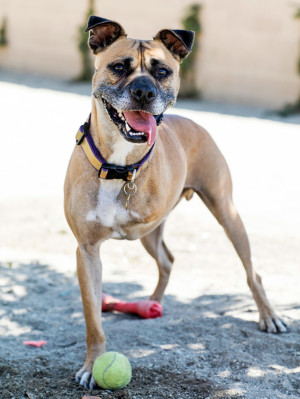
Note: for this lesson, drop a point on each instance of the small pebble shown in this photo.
(91, 397)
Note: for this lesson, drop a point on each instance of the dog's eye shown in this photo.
(163, 72)
(121, 67)
(118, 67)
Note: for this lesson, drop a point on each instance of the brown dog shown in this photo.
(127, 174)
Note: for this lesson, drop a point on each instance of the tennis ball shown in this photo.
(112, 370)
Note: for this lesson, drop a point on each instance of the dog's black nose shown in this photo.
(143, 90)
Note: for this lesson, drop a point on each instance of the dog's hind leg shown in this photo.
(157, 248)
(225, 212)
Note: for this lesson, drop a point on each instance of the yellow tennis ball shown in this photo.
(112, 370)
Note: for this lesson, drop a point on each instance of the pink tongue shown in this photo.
(142, 122)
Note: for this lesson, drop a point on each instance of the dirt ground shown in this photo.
(207, 344)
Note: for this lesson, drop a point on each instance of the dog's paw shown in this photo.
(272, 324)
(85, 378)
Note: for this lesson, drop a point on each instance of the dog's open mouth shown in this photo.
(135, 126)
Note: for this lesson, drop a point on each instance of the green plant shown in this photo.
(82, 39)
(3, 32)
(292, 108)
(297, 16)
(191, 21)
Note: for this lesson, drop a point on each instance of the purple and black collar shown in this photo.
(106, 170)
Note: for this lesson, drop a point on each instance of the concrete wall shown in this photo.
(42, 36)
(248, 51)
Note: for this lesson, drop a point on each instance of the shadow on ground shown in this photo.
(42, 82)
(196, 350)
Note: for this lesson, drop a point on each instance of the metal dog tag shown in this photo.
(130, 189)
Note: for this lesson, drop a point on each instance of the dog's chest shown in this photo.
(110, 210)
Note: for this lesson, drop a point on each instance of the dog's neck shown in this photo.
(109, 141)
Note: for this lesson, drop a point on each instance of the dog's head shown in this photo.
(136, 80)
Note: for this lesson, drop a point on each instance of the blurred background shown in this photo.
(245, 51)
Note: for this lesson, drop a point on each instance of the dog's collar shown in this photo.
(107, 170)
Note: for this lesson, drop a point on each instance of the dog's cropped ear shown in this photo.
(103, 32)
(179, 42)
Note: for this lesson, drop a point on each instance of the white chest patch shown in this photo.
(110, 212)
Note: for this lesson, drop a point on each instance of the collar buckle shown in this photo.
(110, 171)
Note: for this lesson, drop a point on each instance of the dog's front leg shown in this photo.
(89, 271)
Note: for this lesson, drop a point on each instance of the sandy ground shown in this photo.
(207, 344)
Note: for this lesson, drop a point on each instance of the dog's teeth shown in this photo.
(136, 133)
(120, 121)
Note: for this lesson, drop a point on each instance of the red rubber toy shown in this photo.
(146, 309)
